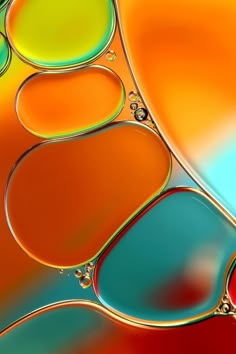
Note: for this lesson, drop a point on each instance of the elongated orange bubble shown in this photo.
(55, 105)
(66, 199)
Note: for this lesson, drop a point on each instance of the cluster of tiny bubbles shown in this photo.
(110, 55)
(85, 279)
(89, 266)
(134, 96)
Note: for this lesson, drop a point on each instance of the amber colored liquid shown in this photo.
(67, 199)
(183, 55)
(54, 105)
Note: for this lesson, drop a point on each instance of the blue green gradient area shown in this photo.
(5, 54)
(220, 173)
(183, 236)
(54, 332)
(51, 287)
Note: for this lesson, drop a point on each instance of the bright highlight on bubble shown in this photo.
(74, 195)
(5, 54)
(63, 104)
(50, 35)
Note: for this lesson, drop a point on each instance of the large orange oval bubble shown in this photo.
(66, 199)
(63, 104)
(55, 35)
(183, 56)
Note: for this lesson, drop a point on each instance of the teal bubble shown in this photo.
(168, 267)
(5, 54)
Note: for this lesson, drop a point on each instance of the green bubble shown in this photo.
(5, 54)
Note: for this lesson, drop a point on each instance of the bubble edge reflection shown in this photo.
(64, 68)
(61, 140)
(159, 324)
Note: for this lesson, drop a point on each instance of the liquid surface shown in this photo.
(56, 105)
(183, 56)
(168, 266)
(83, 327)
(65, 200)
(232, 284)
(3, 3)
(50, 35)
(5, 54)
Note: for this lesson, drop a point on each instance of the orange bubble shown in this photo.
(66, 199)
(183, 55)
(63, 104)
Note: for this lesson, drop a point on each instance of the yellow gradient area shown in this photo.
(52, 34)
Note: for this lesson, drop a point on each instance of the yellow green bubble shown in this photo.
(48, 35)
(5, 54)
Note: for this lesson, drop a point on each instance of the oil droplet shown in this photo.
(133, 106)
(133, 96)
(78, 273)
(141, 114)
(64, 104)
(175, 50)
(3, 3)
(111, 55)
(225, 308)
(61, 271)
(85, 281)
(91, 329)
(187, 261)
(5, 54)
(69, 185)
(68, 36)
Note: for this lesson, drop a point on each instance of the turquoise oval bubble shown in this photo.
(168, 266)
(5, 54)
